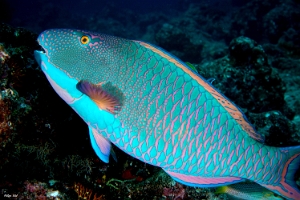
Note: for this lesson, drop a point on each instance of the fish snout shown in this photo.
(44, 41)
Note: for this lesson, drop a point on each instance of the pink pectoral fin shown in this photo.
(101, 145)
(106, 96)
(198, 181)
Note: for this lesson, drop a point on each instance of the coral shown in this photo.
(34, 190)
(176, 193)
(131, 174)
(3, 54)
(85, 193)
(29, 148)
(74, 163)
(127, 174)
(246, 77)
(5, 123)
(280, 131)
(41, 152)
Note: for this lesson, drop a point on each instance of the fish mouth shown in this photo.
(42, 50)
(40, 54)
(40, 39)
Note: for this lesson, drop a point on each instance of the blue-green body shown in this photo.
(169, 117)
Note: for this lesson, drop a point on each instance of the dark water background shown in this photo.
(38, 15)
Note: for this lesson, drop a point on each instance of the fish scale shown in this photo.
(169, 115)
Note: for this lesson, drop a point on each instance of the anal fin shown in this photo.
(198, 181)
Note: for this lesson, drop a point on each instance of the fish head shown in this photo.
(77, 53)
(74, 63)
(61, 59)
(73, 55)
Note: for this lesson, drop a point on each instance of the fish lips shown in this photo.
(41, 41)
(39, 56)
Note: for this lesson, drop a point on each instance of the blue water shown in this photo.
(38, 15)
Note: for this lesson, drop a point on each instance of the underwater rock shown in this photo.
(265, 20)
(290, 41)
(248, 20)
(282, 18)
(175, 40)
(246, 77)
(193, 35)
(289, 71)
(277, 128)
(32, 117)
(245, 52)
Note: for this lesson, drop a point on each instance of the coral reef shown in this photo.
(249, 80)
(35, 190)
(32, 118)
(5, 124)
(290, 41)
(32, 190)
(265, 20)
(173, 38)
(177, 192)
(86, 193)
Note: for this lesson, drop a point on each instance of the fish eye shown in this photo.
(84, 39)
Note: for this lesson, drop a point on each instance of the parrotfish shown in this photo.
(157, 109)
(247, 191)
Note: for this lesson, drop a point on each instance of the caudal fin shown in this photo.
(287, 186)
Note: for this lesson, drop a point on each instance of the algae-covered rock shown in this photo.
(246, 77)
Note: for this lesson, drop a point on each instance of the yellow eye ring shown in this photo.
(84, 39)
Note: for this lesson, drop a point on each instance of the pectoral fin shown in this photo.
(101, 145)
(106, 96)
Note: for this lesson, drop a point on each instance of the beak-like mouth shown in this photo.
(42, 49)
(40, 40)
(39, 56)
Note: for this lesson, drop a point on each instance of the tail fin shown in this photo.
(287, 186)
